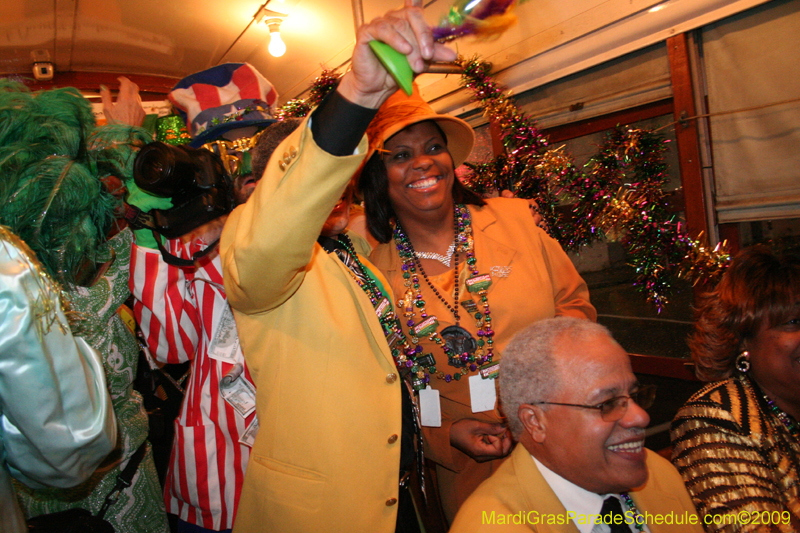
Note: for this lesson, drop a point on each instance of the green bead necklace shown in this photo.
(403, 353)
(786, 419)
(638, 519)
(413, 303)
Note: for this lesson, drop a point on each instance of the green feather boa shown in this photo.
(52, 161)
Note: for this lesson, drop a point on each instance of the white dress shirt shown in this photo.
(580, 501)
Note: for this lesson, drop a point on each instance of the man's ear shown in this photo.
(534, 420)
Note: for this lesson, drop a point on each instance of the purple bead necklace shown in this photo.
(638, 519)
(785, 418)
(413, 303)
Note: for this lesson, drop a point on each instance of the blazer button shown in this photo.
(391, 378)
(392, 439)
(286, 158)
(282, 165)
(391, 501)
(293, 152)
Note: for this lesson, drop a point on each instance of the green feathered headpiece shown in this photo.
(52, 161)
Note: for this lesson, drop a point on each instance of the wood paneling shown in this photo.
(150, 87)
(686, 135)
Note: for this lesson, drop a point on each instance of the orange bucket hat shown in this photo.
(402, 110)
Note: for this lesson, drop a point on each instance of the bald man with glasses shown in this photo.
(576, 410)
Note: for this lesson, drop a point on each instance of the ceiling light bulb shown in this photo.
(276, 45)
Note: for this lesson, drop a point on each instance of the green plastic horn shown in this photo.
(395, 63)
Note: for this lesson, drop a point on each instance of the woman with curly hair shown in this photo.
(735, 441)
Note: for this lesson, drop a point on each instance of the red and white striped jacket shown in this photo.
(178, 310)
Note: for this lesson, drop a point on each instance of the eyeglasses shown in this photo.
(615, 408)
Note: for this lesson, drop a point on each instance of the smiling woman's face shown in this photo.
(775, 359)
(419, 170)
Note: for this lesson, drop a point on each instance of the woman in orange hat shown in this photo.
(468, 273)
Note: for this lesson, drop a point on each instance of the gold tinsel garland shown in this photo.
(300, 107)
(617, 196)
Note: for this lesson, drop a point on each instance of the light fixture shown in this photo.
(276, 45)
(273, 21)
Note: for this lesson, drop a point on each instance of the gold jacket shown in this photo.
(737, 457)
(518, 499)
(327, 454)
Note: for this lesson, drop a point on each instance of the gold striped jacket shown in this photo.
(740, 464)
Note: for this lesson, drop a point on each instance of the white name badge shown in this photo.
(482, 394)
(430, 408)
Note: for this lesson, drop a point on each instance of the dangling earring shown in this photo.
(743, 362)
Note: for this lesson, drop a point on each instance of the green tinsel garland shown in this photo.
(619, 195)
(299, 107)
(529, 164)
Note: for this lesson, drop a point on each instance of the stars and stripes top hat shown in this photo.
(222, 98)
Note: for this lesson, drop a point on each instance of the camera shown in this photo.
(194, 179)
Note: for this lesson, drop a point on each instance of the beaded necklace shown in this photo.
(785, 418)
(454, 308)
(445, 258)
(462, 351)
(638, 519)
(403, 353)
